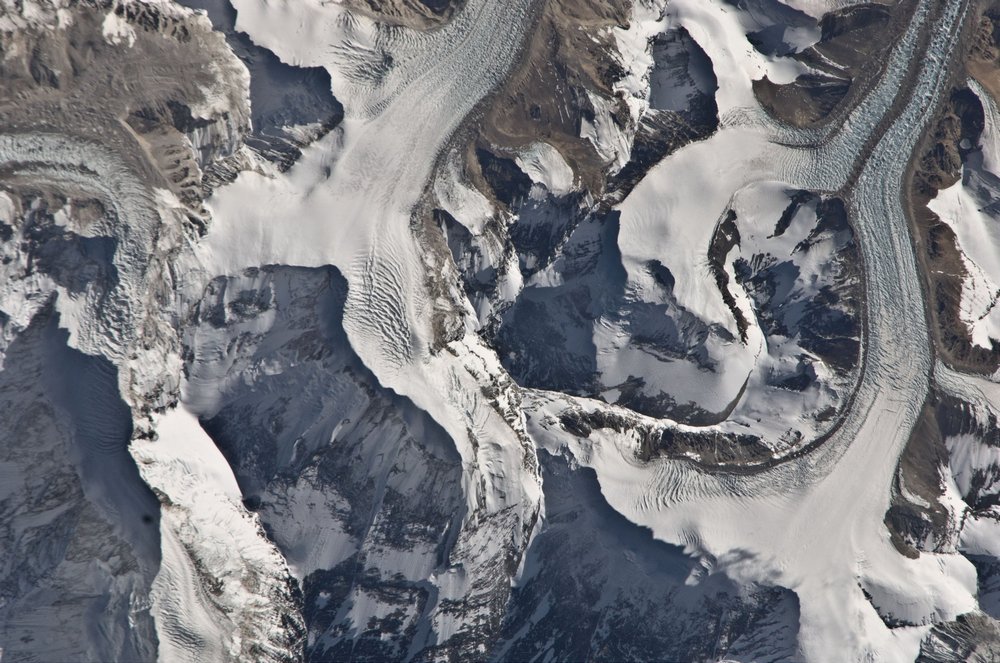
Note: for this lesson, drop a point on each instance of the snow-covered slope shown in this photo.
(824, 510)
(80, 542)
(96, 204)
(967, 207)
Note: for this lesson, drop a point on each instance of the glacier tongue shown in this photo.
(356, 209)
(350, 206)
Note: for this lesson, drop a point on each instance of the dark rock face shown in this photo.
(362, 494)
(809, 98)
(952, 443)
(773, 18)
(852, 40)
(682, 107)
(71, 260)
(957, 418)
(725, 239)
(412, 14)
(923, 524)
(80, 529)
(969, 638)
(952, 152)
(281, 95)
(545, 338)
(543, 319)
(510, 186)
(359, 489)
(828, 324)
(988, 582)
(596, 587)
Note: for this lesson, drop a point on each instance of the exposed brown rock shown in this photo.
(546, 96)
(727, 236)
(939, 166)
(852, 46)
(983, 62)
(912, 523)
(123, 92)
(805, 101)
(419, 14)
(710, 448)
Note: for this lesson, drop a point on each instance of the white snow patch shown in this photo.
(462, 201)
(610, 140)
(313, 538)
(117, 31)
(978, 235)
(633, 44)
(545, 166)
(7, 209)
(716, 26)
(967, 455)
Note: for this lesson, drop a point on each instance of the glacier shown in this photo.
(454, 364)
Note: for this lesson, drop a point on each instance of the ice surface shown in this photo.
(813, 524)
